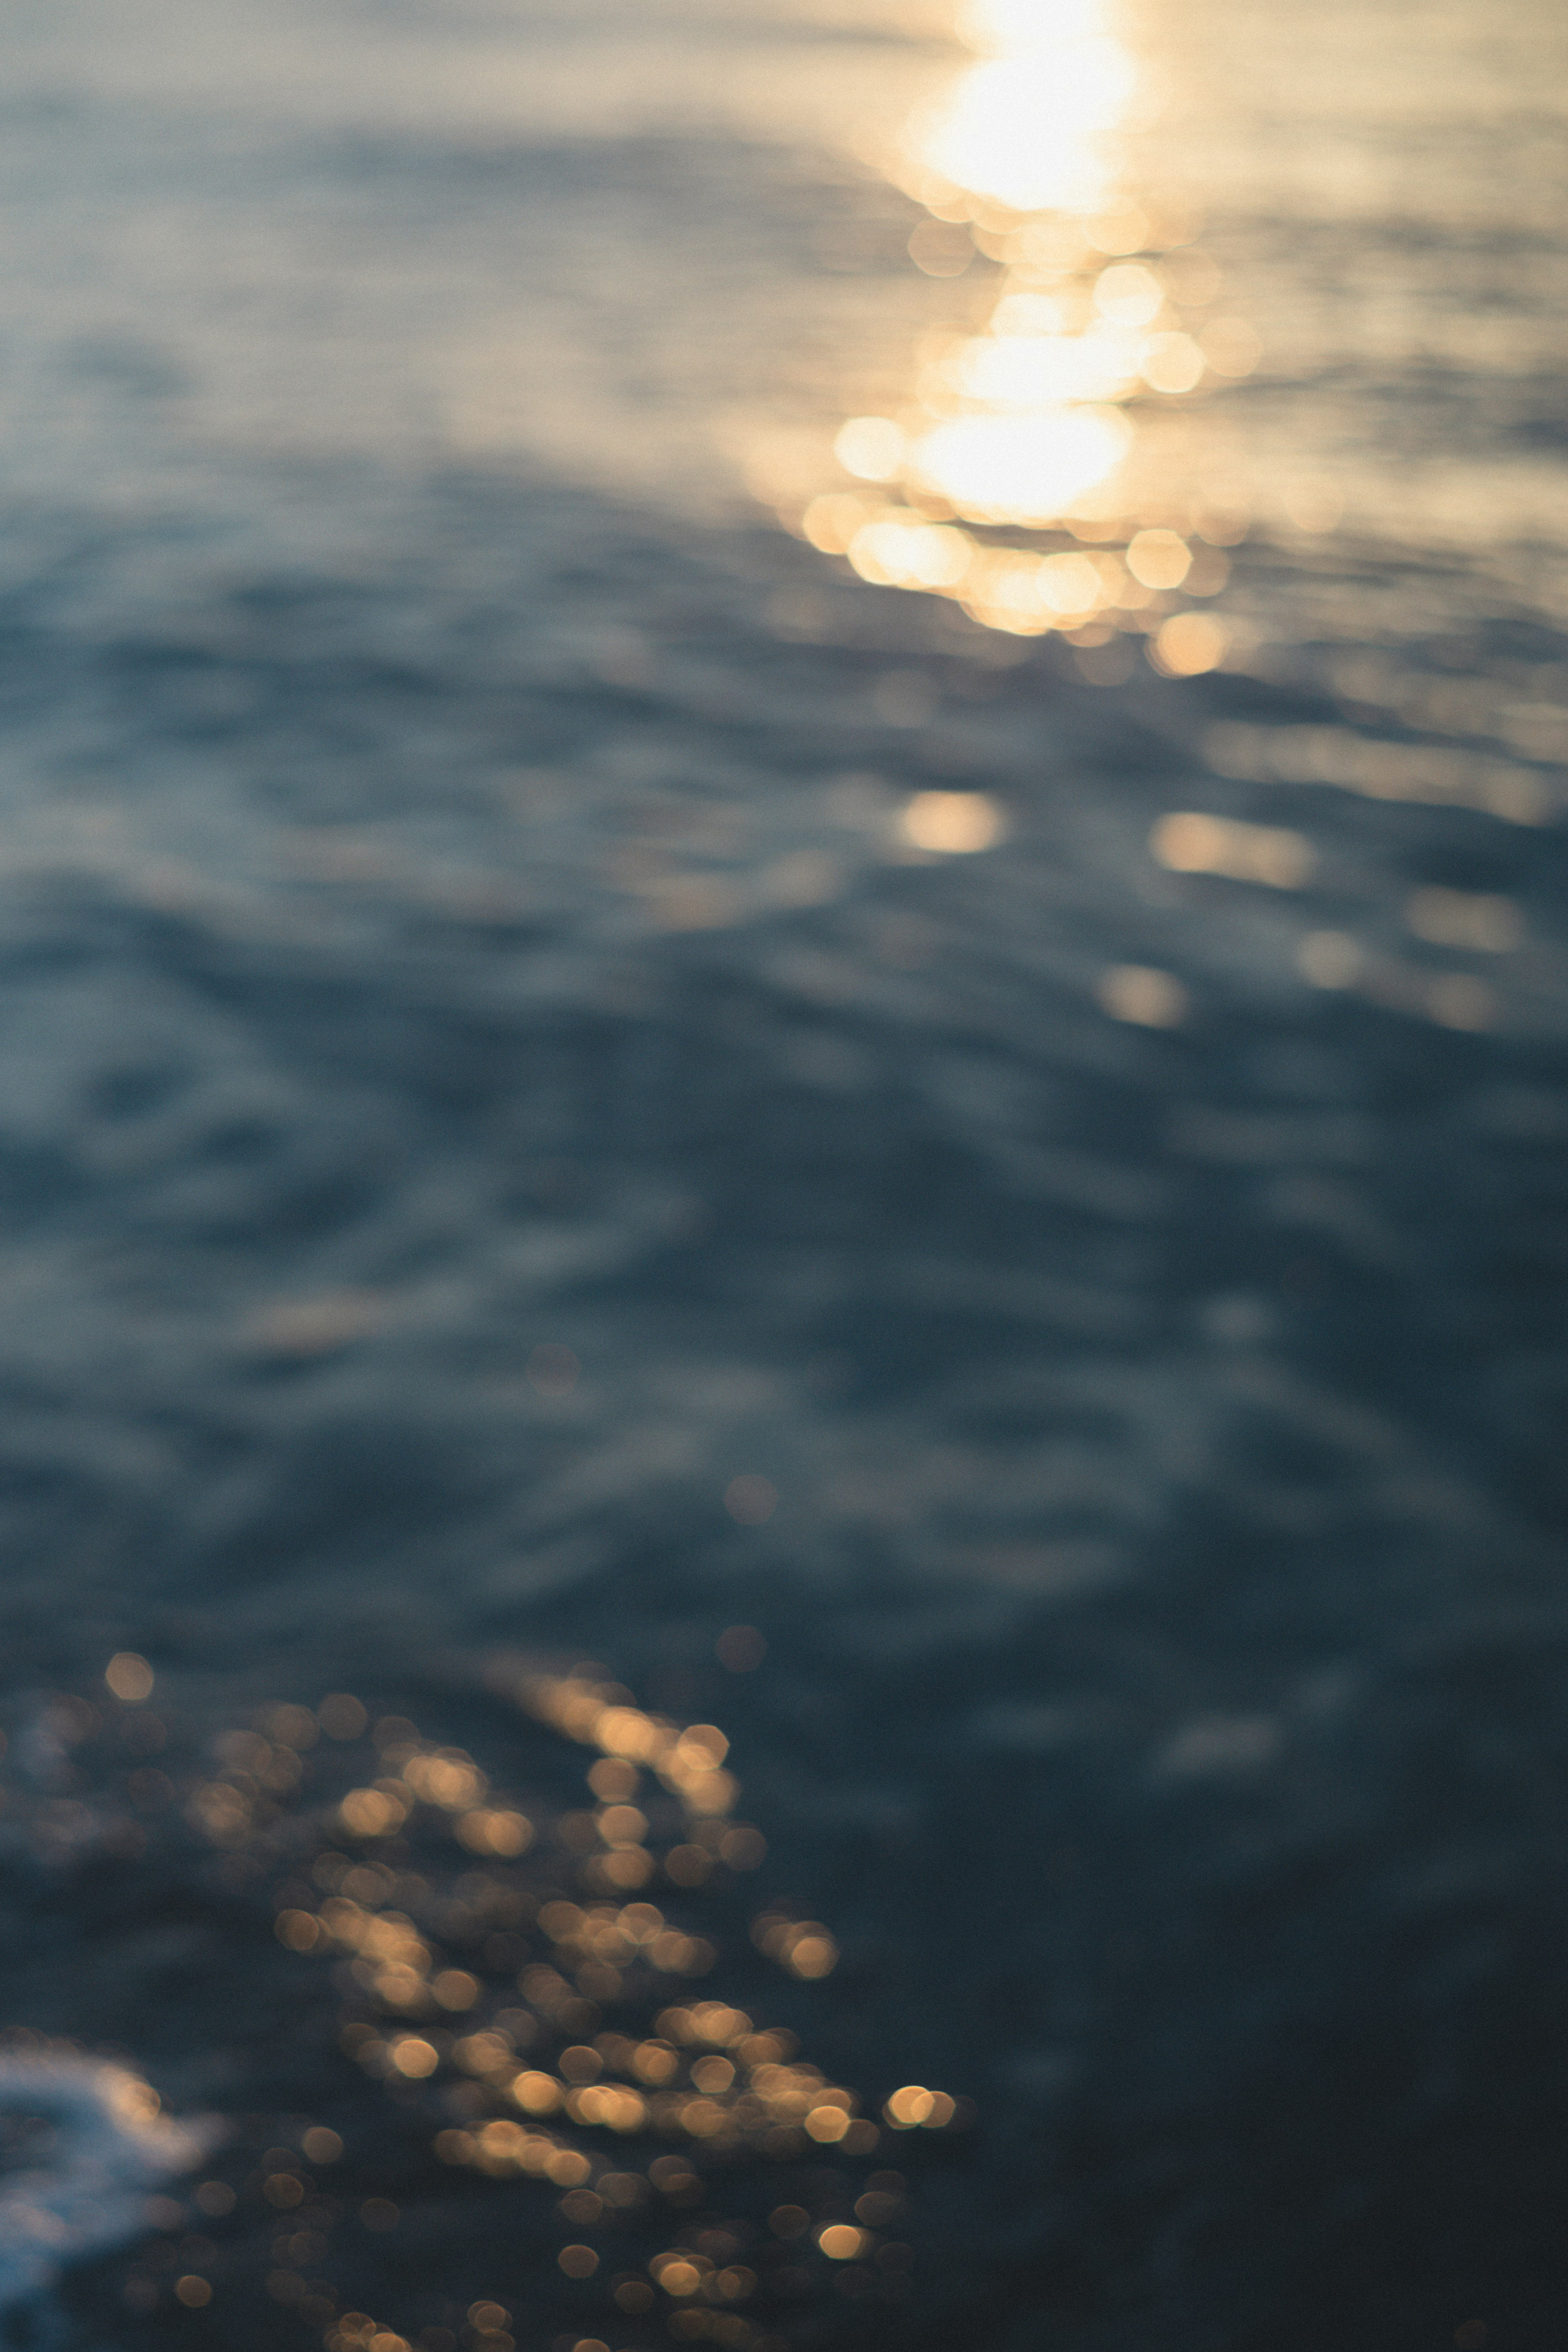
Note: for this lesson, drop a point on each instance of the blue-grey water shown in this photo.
(522, 1137)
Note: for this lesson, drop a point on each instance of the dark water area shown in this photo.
(531, 1149)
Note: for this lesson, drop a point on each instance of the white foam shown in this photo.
(93, 2145)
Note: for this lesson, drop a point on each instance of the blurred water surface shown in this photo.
(584, 1065)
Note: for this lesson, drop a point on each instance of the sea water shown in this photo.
(780, 877)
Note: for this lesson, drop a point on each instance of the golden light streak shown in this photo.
(1029, 422)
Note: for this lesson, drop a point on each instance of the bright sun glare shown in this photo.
(1025, 124)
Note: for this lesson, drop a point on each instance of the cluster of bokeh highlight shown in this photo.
(533, 1983)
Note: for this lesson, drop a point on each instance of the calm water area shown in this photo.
(782, 899)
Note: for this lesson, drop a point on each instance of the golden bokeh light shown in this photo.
(1171, 363)
(415, 2057)
(954, 824)
(1142, 994)
(899, 551)
(1188, 842)
(1188, 644)
(871, 447)
(1160, 558)
(1128, 294)
(130, 1678)
(536, 2093)
(489, 1830)
(455, 1988)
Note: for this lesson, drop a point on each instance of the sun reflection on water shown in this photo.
(1026, 125)
(1034, 422)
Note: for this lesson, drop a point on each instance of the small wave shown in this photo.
(86, 2143)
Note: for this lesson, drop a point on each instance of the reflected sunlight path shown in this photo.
(1102, 325)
